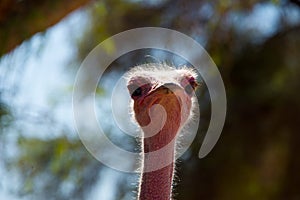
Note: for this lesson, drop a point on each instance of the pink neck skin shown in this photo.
(158, 184)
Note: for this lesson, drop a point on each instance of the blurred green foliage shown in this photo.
(58, 167)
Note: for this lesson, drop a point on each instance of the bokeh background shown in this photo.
(255, 44)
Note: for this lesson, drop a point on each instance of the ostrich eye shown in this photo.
(193, 83)
(137, 92)
(191, 86)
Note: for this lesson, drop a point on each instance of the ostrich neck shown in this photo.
(157, 184)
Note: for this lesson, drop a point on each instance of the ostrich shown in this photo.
(162, 102)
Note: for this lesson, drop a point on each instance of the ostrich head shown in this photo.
(152, 84)
(162, 101)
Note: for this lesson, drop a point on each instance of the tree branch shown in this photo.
(19, 20)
